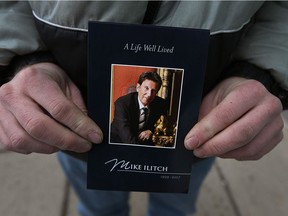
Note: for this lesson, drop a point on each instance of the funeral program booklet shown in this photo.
(144, 91)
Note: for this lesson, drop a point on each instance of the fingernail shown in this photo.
(199, 154)
(95, 137)
(191, 143)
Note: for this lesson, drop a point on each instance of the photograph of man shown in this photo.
(136, 113)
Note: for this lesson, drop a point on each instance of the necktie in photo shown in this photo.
(142, 117)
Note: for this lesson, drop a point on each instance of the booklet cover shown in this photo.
(144, 91)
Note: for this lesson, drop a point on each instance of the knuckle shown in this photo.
(273, 106)
(58, 110)
(27, 73)
(256, 88)
(214, 149)
(63, 145)
(206, 129)
(6, 92)
(65, 142)
(225, 115)
(79, 124)
(17, 142)
(245, 134)
(35, 127)
(251, 90)
(66, 114)
(72, 143)
(276, 102)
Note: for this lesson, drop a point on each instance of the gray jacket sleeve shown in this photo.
(18, 34)
(265, 43)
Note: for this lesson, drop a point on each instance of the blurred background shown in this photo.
(34, 185)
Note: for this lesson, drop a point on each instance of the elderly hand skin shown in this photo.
(42, 111)
(238, 119)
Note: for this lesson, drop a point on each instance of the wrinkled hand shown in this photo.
(42, 111)
(238, 119)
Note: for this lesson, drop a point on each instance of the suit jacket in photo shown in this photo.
(124, 128)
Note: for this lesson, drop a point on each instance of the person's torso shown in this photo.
(63, 27)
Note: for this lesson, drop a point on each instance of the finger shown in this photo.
(238, 102)
(66, 112)
(141, 136)
(239, 133)
(45, 129)
(77, 98)
(269, 137)
(14, 138)
(223, 115)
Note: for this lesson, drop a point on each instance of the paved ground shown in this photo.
(34, 185)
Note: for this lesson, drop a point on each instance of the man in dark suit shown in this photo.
(136, 113)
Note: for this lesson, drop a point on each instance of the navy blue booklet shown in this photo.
(144, 91)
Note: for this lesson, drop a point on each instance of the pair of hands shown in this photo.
(42, 111)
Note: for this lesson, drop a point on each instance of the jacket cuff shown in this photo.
(246, 70)
(22, 61)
